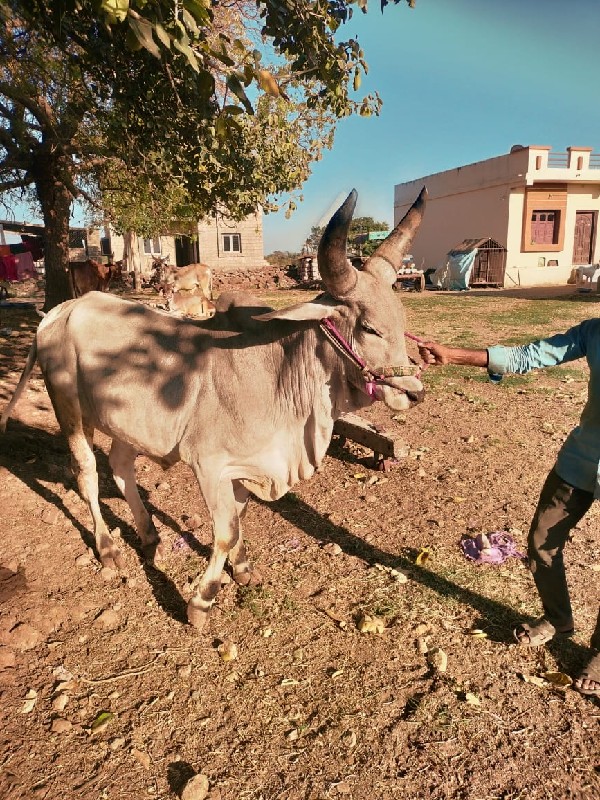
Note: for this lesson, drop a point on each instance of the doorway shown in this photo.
(584, 236)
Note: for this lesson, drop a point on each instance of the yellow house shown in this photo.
(542, 206)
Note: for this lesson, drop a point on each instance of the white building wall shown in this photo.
(488, 198)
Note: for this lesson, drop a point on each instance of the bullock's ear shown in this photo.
(318, 309)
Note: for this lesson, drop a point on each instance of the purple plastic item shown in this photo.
(493, 548)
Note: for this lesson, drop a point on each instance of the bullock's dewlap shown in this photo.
(246, 399)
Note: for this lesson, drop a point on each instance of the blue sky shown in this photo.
(461, 81)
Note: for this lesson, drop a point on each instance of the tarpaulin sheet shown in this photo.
(456, 273)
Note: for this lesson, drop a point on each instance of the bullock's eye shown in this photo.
(370, 329)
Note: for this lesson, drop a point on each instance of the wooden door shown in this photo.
(584, 231)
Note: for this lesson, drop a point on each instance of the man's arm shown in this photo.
(439, 354)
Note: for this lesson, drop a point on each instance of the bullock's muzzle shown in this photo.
(399, 394)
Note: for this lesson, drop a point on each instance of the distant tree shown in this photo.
(282, 258)
(358, 228)
(366, 225)
(312, 240)
(146, 109)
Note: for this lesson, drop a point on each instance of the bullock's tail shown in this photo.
(20, 386)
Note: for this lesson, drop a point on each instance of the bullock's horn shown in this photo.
(387, 259)
(338, 275)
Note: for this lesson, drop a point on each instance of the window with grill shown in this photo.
(232, 243)
(544, 227)
(152, 246)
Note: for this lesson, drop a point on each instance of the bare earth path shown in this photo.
(106, 693)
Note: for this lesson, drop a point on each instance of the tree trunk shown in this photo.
(131, 256)
(55, 200)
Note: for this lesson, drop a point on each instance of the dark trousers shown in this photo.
(559, 509)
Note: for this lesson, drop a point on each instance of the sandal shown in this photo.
(539, 632)
(591, 672)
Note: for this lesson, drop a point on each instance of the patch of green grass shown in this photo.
(255, 599)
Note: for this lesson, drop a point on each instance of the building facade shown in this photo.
(218, 242)
(540, 205)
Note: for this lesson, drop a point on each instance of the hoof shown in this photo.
(113, 559)
(196, 616)
(248, 578)
(155, 551)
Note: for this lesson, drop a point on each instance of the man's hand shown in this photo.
(435, 354)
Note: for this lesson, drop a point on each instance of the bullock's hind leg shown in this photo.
(221, 502)
(83, 463)
(243, 573)
(122, 461)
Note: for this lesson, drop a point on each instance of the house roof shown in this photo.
(476, 244)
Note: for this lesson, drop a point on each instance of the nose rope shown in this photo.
(371, 376)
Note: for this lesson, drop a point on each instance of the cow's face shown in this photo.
(363, 305)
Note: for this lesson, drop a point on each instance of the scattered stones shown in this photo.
(196, 788)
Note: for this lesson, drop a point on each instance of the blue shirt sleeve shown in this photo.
(557, 349)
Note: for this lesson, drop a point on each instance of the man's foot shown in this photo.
(588, 680)
(540, 632)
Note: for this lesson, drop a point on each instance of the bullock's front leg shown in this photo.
(226, 527)
(122, 461)
(243, 573)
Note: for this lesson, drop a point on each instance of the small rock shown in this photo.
(116, 743)
(83, 560)
(7, 658)
(141, 757)
(368, 624)
(228, 651)
(332, 549)
(108, 619)
(107, 574)
(163, 486)
(196, 788)
(30, 701)
(184, 671)
(60, 701)
(24, 637)
(438, 659)
(60, 725)
(343, 788)
(50, 515)
(193, 522)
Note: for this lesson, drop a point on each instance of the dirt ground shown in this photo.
(105, 692)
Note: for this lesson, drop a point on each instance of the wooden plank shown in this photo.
(359, 430)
